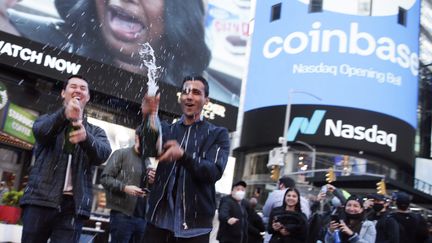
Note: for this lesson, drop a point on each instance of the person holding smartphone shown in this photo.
(354, 227)
(124, 178)
(287, 223)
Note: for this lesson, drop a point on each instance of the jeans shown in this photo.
(124, 228)
(59, 225)
(158, 235)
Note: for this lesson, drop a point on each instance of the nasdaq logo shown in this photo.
(304, 125)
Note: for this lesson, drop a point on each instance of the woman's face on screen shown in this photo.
(126, 24)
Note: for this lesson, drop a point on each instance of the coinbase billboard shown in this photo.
(350, 72)
(351, 55)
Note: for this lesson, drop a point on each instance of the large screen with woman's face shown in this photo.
(102, 40)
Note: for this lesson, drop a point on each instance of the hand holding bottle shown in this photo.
(78, 133)
(73, 111)
(151, 174)
(150, 105)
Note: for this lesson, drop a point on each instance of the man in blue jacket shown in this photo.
(182, 202)
(58, 196)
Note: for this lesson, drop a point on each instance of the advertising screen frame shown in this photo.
(58, 63)
(347, 58)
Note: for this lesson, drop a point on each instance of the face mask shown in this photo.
(239, 195)
(378, 207)
(355, 216)
(336, 202)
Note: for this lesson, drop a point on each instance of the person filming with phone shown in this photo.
(354, 227)
(125, 179)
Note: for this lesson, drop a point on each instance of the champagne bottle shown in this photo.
(336, 236)
(152, 137)
(151, 144)
(68, 147)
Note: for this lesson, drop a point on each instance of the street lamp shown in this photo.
(283, 140)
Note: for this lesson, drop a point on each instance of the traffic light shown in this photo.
(330, 176)
(275, 172)
(381, 187)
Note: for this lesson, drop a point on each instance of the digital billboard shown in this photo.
(333, 129)
(352, 53)
(102, 39)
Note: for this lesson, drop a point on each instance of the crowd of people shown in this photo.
(334, 216)
(176, 201)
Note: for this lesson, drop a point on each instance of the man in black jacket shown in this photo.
(412, 226)
(378, 212)
(182, 202)
(233, 216)
(59, 194)
(256, 227)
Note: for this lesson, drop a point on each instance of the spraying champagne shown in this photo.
(152, 130)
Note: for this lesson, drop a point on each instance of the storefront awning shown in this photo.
(9, 140)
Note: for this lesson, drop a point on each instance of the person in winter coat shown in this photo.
(182, 202)
(377, 207)
(125, 178)
(256, 224)
(59, 193)
(233, 216)
(287, 223)
(412, 226)
(354, 227)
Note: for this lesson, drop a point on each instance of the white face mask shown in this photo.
(239, 195)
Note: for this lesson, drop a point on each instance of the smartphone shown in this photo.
(324, 189)
(335, 217)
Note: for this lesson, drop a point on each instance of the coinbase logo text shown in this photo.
(317, 40)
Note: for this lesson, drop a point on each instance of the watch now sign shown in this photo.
(352, 129)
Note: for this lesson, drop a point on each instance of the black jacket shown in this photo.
(255, 227)
(294, 222)
(412, 227)
(387, 228)
(230, 208)
(206, 153)
(46, 180)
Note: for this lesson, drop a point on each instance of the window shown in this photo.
(315, 6)
(276, 12)
(402, 18)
